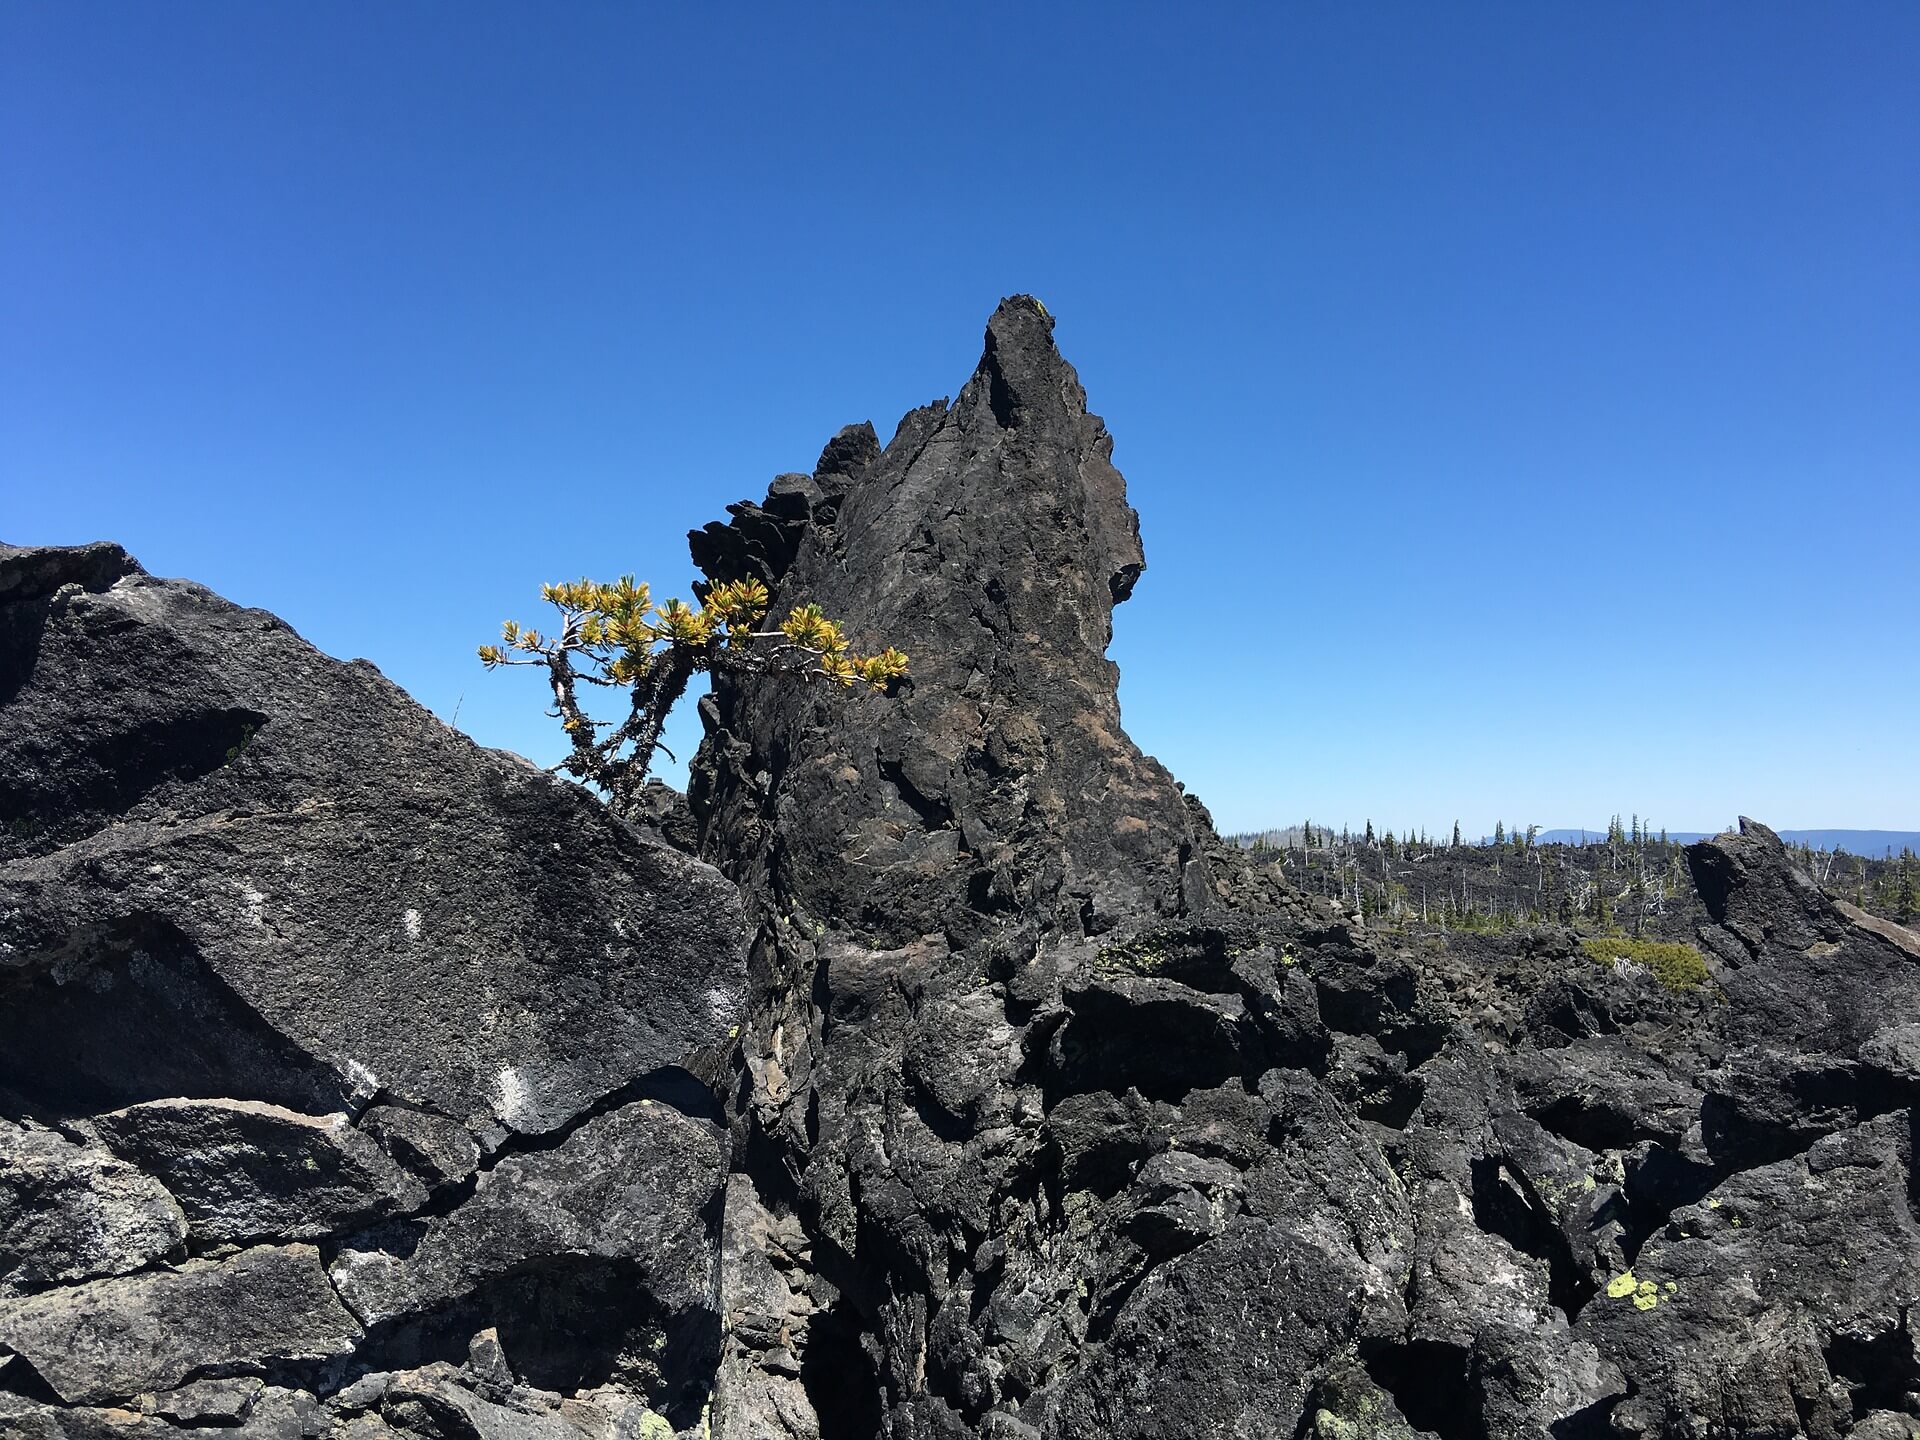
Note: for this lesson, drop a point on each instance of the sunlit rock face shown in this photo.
(990, 540)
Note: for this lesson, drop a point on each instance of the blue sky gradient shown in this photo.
(1522, 403)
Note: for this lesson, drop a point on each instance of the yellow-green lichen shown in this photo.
(1644, 1293)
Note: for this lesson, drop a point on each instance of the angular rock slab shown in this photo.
(74, 1212)
(639, 1185)
(244, 1170)
(112, 1339)
(232, 866)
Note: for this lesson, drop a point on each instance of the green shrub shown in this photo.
(1678, 967)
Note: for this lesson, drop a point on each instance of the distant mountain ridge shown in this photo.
(1872, 844)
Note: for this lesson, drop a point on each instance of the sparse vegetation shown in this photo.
(616, 637)
(1633, 881)
(1678, 967)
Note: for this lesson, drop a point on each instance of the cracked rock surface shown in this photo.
(932, 1071)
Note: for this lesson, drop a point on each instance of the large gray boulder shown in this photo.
(283, 958)
(632, 1186)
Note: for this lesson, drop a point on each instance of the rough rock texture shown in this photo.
(1054, 1120)
(990, 540)
(243, 1170)
(237, 868)
(1047, 1115)
(70, 1212)
(628, 1202)
(284, 959)
(113, 1339)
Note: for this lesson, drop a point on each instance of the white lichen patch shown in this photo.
(365, 1082)
(410, 922)
(513, 1099)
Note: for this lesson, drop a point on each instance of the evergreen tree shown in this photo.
(1499, 832)
(1456, 835)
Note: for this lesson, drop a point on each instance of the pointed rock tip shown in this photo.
(1020, 366)
(1020, 320)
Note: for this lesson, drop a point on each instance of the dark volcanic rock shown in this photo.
(112, 1339)
(243, 1170)
(233, 867)
(990, 540)
(630, 1186)
(304, 960)
(1061, 1123)
(1048, 1116)
(73, 1212)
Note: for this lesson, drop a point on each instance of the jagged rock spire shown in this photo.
(991, 540)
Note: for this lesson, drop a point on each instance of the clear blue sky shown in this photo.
(1522, 402)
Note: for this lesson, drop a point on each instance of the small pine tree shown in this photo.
(615, 636)
(1456, 835)
(1499, 832)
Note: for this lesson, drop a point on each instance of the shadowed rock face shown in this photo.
(346, 1068)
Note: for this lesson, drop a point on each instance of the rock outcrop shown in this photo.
(1054, 1120)
(356, 1080)
(294, 978)
(990, 540)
